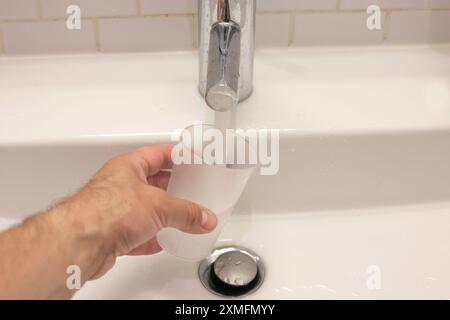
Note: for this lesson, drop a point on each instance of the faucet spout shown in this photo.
(226, 51)
(222, 85)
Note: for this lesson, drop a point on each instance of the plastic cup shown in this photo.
(215, 186)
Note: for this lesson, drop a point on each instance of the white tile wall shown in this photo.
(145, 34)
(168, 6)
(46, 37)
(289, 5)
(385, 4)
(1, 41)
(18, 9)
(334, 29)
(38, 26)
(420, 26)
(272, 29)
(90, 8)
(440, 4)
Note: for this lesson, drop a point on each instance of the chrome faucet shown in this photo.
(226, 45)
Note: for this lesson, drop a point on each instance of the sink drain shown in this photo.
(231, 272)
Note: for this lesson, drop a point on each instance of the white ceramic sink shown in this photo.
(364, 181)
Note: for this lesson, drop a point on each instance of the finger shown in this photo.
(185, 215)
(149, 247)
(155, 158)
(160, 180)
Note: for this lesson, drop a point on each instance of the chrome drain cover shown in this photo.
(231, 272)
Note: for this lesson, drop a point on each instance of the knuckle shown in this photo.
(159, 205)
(114, 162)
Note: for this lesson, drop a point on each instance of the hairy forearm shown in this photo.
(35, 255)
(119, 212)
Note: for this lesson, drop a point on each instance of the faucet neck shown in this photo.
(223, 11)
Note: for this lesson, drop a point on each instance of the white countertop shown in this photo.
(61, 98)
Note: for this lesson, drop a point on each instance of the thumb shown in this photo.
(186, 216)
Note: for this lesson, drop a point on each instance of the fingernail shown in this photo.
(208, 220)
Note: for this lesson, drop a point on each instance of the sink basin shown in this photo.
(363, 190)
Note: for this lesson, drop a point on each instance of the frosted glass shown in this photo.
(215, 187)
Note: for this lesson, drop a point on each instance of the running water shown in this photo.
(223, 121)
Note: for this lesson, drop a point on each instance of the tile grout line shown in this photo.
(159, 15)
(138, 8)
(190, 14)
(96, 34)
(307, 11)
(386, 25)
(40, 9)
(194, 41)
(291, 15)
(292, 18)
(2, 43)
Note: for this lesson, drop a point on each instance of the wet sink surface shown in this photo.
(321, 255)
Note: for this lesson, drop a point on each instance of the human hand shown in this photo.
(118, 212)
(127, 200)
